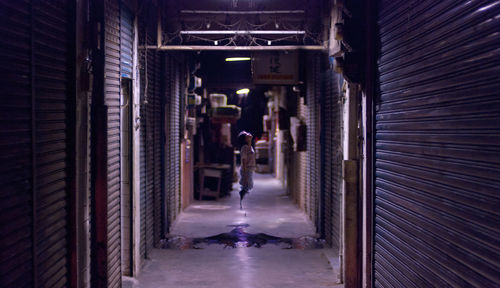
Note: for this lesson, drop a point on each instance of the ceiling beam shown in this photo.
(233, 48)
(242, 12)
(242, 32)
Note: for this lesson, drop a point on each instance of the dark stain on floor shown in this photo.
(238, 237)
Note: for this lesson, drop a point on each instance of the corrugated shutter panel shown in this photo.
(167, 96)
(34, 80)
(112, 100)
(332, 169)
(437, 145)
(173, 95)
(142, 152)
(150, 160)
(16, 219)
(51, 96)
(126, 41)
(151, 144)
(313, 130)
(158, 147)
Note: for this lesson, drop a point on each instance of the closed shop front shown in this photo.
(174, 90)
(35, 108)
(332, 159)
(112, 101)
(313, 178)
(437, 144)
(151, 139)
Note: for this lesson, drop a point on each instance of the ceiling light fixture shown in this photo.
(232, 59)
(243, 91)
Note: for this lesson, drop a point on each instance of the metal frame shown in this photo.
(233, 48)
(242, 32)
(242, 12)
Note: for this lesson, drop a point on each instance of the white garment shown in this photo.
(248, 155)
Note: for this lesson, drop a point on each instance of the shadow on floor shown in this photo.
(238, 237)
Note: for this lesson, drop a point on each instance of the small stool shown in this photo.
(213, 173)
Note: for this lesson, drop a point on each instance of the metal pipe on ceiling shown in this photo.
(242, 12)
(234, 48)
(242, 32)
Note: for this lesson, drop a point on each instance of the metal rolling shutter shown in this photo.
(112, 100)
(157, 151)
(437, 145)
(126, 41)
(151, 149)
(126, 66)
(313, 149)
(172, 150)
(174, 143)
(34, 111)
(179, 124)
(168, 167)
(16, 268)
(332, 169)
(142, 152)
(150, 160)
(51, 96)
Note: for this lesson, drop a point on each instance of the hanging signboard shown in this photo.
(280, 68)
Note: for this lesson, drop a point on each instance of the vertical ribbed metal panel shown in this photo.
(16, 220)
(179, 113)
(142, 55)
(174, 141)
(158, 147)
(33, 109)
(150, 160)
(437, 145)
(142, 148)
(313, 130)
(172, 150)
(51, 96)
(332, 158)
(151, 142)
(167, 103)
(126, 41)
(112, 100)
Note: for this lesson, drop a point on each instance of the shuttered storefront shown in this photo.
(332, 159)
(35, 100)
(437, 145)
(157, 140)
(313, 181)
(126, 74)
(174, 88)
(297, 171)
(152, 110)
(150, 161)
(126, 41)
(16, 137)
(142, 151)
(112, 100)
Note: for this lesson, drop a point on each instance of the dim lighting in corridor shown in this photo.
(243, 91)
(231, 59)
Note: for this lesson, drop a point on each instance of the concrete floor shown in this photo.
(267, 210)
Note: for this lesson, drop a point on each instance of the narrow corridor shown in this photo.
(377, 121)
(268, 210)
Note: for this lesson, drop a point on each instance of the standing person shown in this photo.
(248, 164)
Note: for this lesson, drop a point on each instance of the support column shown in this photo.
(351, 246)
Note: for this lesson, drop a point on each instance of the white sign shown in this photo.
(275, 67)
